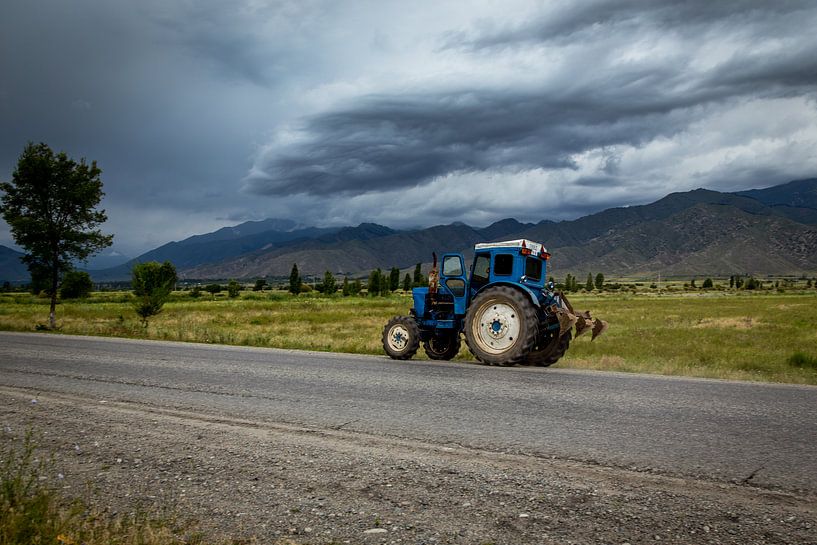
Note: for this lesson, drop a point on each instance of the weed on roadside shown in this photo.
(31, 510)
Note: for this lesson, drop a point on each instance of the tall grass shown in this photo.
(743, 336)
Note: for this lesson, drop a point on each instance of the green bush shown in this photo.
(152, 284)
(799, 359)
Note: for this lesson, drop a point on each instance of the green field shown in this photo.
(763, 336)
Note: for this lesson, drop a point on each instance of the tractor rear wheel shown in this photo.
(443, 347)
(500, 326)
(550, 354)
(401, 338)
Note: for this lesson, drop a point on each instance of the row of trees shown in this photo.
(572, 284)
(379, 283)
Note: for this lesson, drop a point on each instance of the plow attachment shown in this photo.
(582, 320)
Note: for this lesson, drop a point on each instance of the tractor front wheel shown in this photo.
(443, 347)
(401, 338)
(501, 326)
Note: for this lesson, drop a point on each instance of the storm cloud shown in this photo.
(593, 96)
(204, 114)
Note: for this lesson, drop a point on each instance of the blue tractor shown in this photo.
(507, 311)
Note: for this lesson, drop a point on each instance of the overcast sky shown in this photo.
(205, 113)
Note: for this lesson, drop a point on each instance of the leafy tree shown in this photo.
(693, 283)
(751, 284)
(76, 285)
(233, 289)
(732, 281)
(213, 289)
(707, 283)
(385, 283)
(260, 284)
(394, 279)
(407, 282)
(599, 281)
(330, 286)
(50, 206)
(355, 288)
(152, 283)
(195, 293)
(589, 284)
(346, 290)
(738, 282)
(294, 280)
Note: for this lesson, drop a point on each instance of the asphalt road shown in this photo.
(761, 434)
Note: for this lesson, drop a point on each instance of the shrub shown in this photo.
(152, 284)
(799, 359)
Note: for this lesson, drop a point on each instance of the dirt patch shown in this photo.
(743, 322)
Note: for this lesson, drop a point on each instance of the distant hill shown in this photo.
(11, 268)
(800, 193)
(760, 231)
(702, 239)
(221, 245)
(687, 233)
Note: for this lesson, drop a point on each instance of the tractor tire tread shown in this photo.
(528, 326)
(413, 343)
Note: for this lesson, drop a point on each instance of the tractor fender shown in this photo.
(520, 287)
(419, 296)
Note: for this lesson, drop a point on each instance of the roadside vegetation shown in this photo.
(762, 334)
(32, 510)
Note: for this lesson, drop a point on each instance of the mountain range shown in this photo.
(768, 231)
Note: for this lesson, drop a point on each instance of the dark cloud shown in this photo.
(387, 142)
(351, 112)
(567, 20)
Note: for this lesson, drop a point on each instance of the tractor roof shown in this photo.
(534, 247)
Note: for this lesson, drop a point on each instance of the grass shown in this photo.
(763, 335)
(31, 510)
